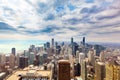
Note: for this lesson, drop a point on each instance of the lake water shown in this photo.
(20, 45)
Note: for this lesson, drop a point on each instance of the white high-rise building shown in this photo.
(17, 59)
(102, 56)
(81, 57)
(77, 54)
(91, 57)
(3, 59)
(12, 61)
(100, 71)
(84, 70)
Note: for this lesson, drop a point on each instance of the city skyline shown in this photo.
(97, 20)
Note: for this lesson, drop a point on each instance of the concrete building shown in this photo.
(23, 61)
(41, 59)
(26, 53)
(12, 61)
(102, 56)
(91, 57)
(63, 70)
(99, 71)
(71, 60)
(2, 75)
(77, 69)
(3, 59)
(30, 73)
(52, 43)
(77, 54)
(112, 71)
(13, 51)
(17, 60)
(81, 57)
(84, 70)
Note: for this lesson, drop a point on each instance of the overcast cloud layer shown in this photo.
(97, 20)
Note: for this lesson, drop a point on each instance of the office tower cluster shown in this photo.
(62, 61)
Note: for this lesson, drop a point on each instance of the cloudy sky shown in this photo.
(97, 20)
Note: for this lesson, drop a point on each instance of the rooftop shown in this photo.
(29, 73)
(101, 63)
(63, 61)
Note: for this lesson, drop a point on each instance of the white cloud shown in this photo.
(31, 14)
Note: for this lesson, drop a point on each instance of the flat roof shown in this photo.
(64, 61)
(78, 78)
(1, 74)
(101, 63)
(15, 76)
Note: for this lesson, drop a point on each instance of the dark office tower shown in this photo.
(32, 46)
(72, 45)
(77, 68)
(52, 42)
(36, 62)
(13, 51)
(83, 49)
(71, 40)
(74, 48)
(45, 46)
(58, 49)
(84, 41)
(56, 44)
(63, 44)
(64, 70)
(23, 61)
(37, 57)
(48, 45)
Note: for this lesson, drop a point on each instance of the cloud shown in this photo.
(93, 9)
(89, 1)
(50, 17)
(4, 26)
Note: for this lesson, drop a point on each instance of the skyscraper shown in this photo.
(41, 59)
(56, 44)
(12, 61)
(3, 59)
(23, 61)
(72, 40)
(13, 51)
(52, 42)
(17, 59)
(64, 70)
(84, 70)
(72, 45)
(83, 46)
(91, 57)
(112, 71)
(81, 57)
(32, 57)
(77, 70)
(100, 71)
(102, 56)
(83, 41)
(48, 45)
(74, 48)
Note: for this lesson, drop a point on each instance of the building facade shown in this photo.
(63, 70)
